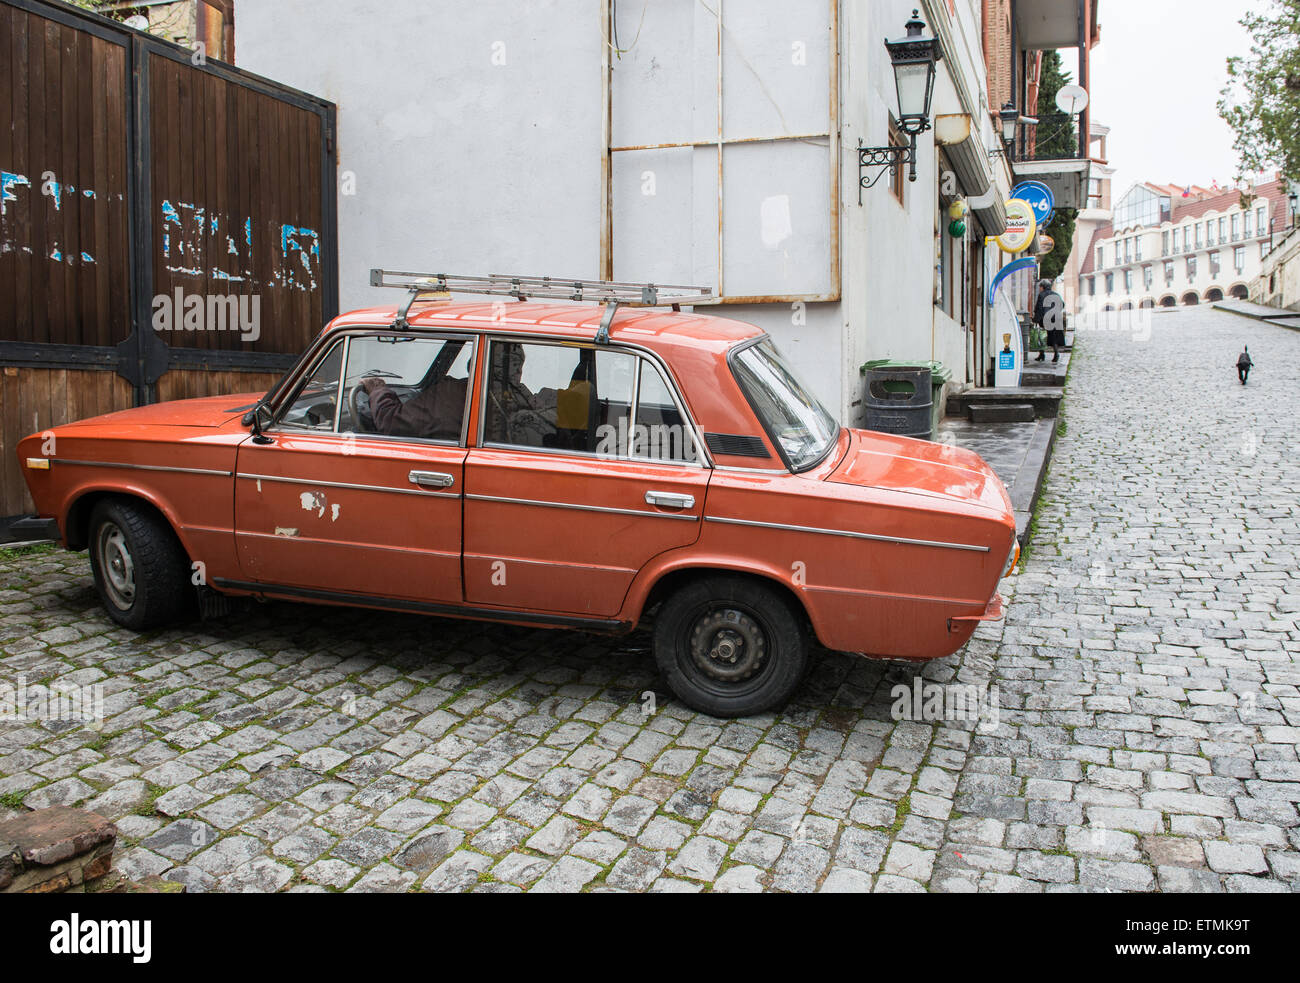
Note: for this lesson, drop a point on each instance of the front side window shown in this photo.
(315, 405)
(405, 386)
(392, 385)
(800, 426)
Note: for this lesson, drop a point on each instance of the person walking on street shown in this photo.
(1049, 313)
(1244, 364)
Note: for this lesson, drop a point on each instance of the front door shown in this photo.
(359, 489)
(586, 470)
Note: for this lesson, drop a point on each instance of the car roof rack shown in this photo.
(428, 287)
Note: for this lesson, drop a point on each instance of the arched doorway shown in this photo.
(1213, 295)
(1125, 307)
(1240, 292)
(1190, 299)
(1147, 304)
(1108, 309)
(1169, 301)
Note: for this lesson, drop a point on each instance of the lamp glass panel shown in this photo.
(913, 88)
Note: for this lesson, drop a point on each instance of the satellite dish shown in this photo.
(1072, 99)
(137, 21)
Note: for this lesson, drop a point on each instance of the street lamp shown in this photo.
(914, 58)
(1010, 117)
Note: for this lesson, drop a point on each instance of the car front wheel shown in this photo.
(731, 646)
(141, 571)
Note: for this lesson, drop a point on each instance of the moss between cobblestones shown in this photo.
(147, 805)
(35, 549)
(14, 800)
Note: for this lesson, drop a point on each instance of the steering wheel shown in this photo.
(361, 413)
(365, 422)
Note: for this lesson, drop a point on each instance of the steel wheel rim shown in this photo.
(117, 569)
(728, 645)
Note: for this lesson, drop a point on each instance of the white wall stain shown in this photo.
(286, 531)
(334, 513)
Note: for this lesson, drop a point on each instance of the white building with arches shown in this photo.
(1171, 246)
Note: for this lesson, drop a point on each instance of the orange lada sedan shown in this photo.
(544, 464)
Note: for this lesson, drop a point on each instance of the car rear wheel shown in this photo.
(731, 646)
(141, 571)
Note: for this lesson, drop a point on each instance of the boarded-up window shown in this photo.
(723, 168)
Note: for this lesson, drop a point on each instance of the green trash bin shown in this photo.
(940, 376)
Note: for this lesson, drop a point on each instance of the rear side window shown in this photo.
(556, 397)
(583, 399)
(661, 432)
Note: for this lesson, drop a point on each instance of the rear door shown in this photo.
(338, 502)
(587, 468)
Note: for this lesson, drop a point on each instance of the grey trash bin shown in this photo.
(899, 400)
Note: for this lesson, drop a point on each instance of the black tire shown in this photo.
(731, 646)
(141, 571)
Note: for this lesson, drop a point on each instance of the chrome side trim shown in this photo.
(847, 533)
(643, 513)
(345, 484)
(339, 544)
(142, 467)
(728, 467)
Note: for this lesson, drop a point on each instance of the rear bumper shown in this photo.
(29, 528)
(996, 610)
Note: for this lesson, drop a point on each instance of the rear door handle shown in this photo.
(431, 479)
(670, 500)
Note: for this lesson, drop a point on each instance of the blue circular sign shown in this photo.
(1039, 197)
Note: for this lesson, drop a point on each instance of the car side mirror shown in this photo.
(258, 417)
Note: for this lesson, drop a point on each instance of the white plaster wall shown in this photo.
(462, 164)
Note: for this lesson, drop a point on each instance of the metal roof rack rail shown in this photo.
(427, 287)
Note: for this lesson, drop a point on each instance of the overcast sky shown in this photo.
(1156, 80)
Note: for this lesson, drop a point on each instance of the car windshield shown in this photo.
(801, 426)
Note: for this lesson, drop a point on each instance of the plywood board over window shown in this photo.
(723, 160)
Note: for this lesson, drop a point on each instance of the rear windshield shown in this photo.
(802, 428)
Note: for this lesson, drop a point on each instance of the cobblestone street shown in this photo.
(1140, 732)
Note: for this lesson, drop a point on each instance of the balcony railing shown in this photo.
(1054, 137)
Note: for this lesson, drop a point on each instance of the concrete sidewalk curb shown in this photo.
(1277, 316)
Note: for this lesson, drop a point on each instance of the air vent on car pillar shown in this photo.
(736, 445)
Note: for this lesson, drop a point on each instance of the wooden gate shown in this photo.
(167, 228)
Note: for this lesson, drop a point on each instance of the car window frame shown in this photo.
(732, 354)
(638, 352)
(345, 337)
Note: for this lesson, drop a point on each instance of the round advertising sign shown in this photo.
(1040, 198)
(1021, 226)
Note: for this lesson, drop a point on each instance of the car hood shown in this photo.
(206, 411)
(920, 467)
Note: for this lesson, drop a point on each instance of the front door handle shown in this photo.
(431, 479)
(670, 500)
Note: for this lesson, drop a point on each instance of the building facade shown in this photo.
(1096, 214)
(1172, 246)
(680, 142)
